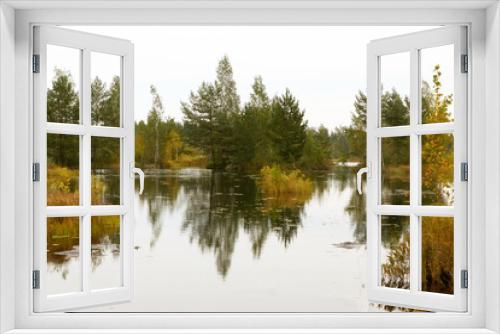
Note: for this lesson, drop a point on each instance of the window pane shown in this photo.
(63, 255)
(63, 163)
(105, 171)
(395, 170)
(437, 66)
(437, 254)
(395, 252)
(437, 169)
(106, 264)
(63, 84)
(395, 89)
(105, 89)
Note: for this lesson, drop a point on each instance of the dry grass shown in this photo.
(285, 188)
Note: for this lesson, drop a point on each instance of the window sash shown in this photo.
(414, 297)
(85, 43)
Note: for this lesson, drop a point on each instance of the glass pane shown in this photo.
(105, 89)
(106, 264)
(437, 66)
(395, 252)
(437, 169)
(395, 170)
(437, 254)
(395, 89)
(63, 84)
(63, 255)
(63, 163)
(105, 171)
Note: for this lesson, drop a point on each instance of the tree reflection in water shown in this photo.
(222, 203)
(160, 193)
(356, 208)
(220, 206)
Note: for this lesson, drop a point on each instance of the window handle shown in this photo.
(359, 175)
(133, 171)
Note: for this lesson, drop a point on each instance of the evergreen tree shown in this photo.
(98, 97)
(317, 149)
(62, 99)
(226, 88)
(63, 107)
(357, 132)
(251, 137)
(358, 116)
(258, 97)
(111, 115)
(287, 128)
(211, 115)
(105, 103)
(228, 116)
(395, 109)
(201, 122)
(342, 144)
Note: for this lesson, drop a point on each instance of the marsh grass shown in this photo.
(62, 186)
(63, 232)
(284, 188)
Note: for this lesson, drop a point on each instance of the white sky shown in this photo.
(323, 66)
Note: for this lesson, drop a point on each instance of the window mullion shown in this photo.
(414, 170)
(85, 158)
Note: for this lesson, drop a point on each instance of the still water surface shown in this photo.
(207, 242)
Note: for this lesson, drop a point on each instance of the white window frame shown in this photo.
(483, 18)
(85, 43)
(412, 44)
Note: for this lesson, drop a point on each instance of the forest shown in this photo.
(218, 133)
(221, 134)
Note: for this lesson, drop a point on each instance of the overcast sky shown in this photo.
(324, 67)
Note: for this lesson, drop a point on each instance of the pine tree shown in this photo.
(105, 103)
(211, 115)
(258, 98)
(63, 107)
(228, 116)
(317, 152)
(62, 99)
(111, 115)
(98, 97)
(395, 109)
(226, 88)
(287, 128)
(342, 144)
(253, 147)
(200, 121)
(357, 131)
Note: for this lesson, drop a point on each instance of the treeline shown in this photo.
(63, 106)
(220, 133)
(349, 142)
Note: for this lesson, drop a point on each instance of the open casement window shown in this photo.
(83, 169)
(417, 171)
